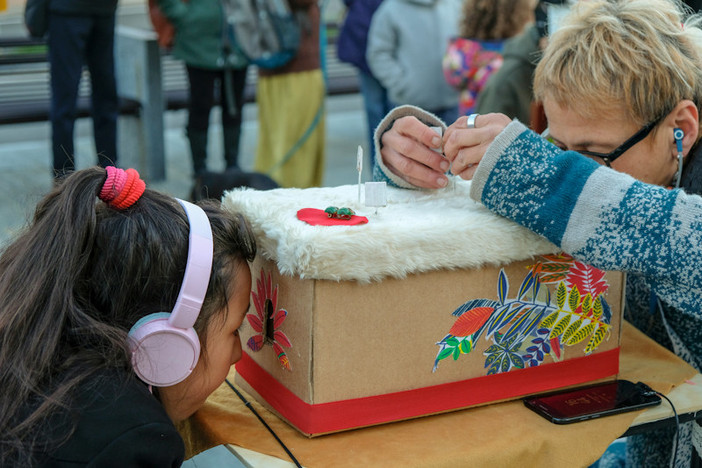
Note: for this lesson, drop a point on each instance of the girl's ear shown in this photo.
(685, 117)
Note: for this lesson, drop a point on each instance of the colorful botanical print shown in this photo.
(530, 326)
(267, 320)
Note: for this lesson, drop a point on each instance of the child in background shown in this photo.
(406, 41)
(476, 54)
(84, 380)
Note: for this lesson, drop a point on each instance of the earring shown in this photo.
(678, 135)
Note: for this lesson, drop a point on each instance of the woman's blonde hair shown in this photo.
(640, 54)
(495, 19)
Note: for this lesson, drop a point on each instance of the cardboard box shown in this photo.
(352, 326)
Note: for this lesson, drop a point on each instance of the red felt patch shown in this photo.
(317, 217)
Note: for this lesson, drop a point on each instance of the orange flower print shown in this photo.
(267, 320)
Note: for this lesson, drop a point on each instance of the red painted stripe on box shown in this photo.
(359, 412)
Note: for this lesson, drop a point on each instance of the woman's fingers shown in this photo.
(465, 147)
(412, 151)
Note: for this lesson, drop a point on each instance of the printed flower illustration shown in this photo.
(267, 320)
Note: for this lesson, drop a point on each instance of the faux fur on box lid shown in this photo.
(417, 231)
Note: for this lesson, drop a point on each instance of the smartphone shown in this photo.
(593, 401)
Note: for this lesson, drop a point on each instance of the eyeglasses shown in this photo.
(608, 158)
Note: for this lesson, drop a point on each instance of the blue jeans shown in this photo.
(375, 98)
(74, 41)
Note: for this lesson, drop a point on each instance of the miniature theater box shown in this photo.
(432, 305)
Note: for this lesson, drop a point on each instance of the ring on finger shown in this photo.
(470, 123)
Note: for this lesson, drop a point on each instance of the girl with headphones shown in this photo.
(119, 315)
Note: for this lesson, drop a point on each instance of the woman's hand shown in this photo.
(412, 151)
(465, 147)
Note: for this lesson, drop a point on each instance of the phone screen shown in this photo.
(593, 401)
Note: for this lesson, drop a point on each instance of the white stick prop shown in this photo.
(359, 168)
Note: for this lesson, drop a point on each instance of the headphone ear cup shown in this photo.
(162, 355)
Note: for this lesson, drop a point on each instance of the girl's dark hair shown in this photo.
(495, 19)
(74, 283)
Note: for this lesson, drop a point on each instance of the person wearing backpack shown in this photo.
(290, 101)
(216, 73)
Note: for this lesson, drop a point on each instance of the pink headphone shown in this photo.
(164, 346)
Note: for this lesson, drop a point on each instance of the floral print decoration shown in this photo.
(531, 326)
(267, 320)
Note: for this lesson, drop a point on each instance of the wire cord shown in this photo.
(253, 410)
(676, 440)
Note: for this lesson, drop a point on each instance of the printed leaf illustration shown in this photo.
(471, 321)
(581, 334)
(560, 326)
(502, 286)
(574, 299)
(561, 295)
(570, 331)
(526, 284)
(524, 323)
(586, 304)
(536, 288)
(555, 343)
(588, 279)
(473, 304)
(550, 320)
(597, 338)
(504, 317)
(554, 268)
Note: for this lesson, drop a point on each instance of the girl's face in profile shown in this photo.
(221, 350)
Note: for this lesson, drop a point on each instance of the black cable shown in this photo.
(676, 440)
(253, 410)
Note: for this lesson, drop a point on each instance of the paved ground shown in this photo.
(25, 156)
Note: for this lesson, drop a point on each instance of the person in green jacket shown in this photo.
(215, 71)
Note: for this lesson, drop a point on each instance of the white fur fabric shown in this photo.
(417, 231)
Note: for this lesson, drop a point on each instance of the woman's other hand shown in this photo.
(464, 147)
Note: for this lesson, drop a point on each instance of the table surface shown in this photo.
(502, 434)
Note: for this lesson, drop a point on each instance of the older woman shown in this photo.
(621, 84)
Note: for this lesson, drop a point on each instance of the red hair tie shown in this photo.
(121, 188)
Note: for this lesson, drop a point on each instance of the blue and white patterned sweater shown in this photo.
(603, 217)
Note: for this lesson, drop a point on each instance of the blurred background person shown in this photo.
(509, 89)
(476, 54)
(351, 48)
(82, 32)
(290, 98)
(406, 43)
(216, 74)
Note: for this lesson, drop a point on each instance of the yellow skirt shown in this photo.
(287, 106)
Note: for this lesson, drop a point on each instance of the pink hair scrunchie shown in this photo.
(121, 188)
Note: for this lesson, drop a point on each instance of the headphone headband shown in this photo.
(197, 269)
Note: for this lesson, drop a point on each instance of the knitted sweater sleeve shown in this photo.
(596, 214)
